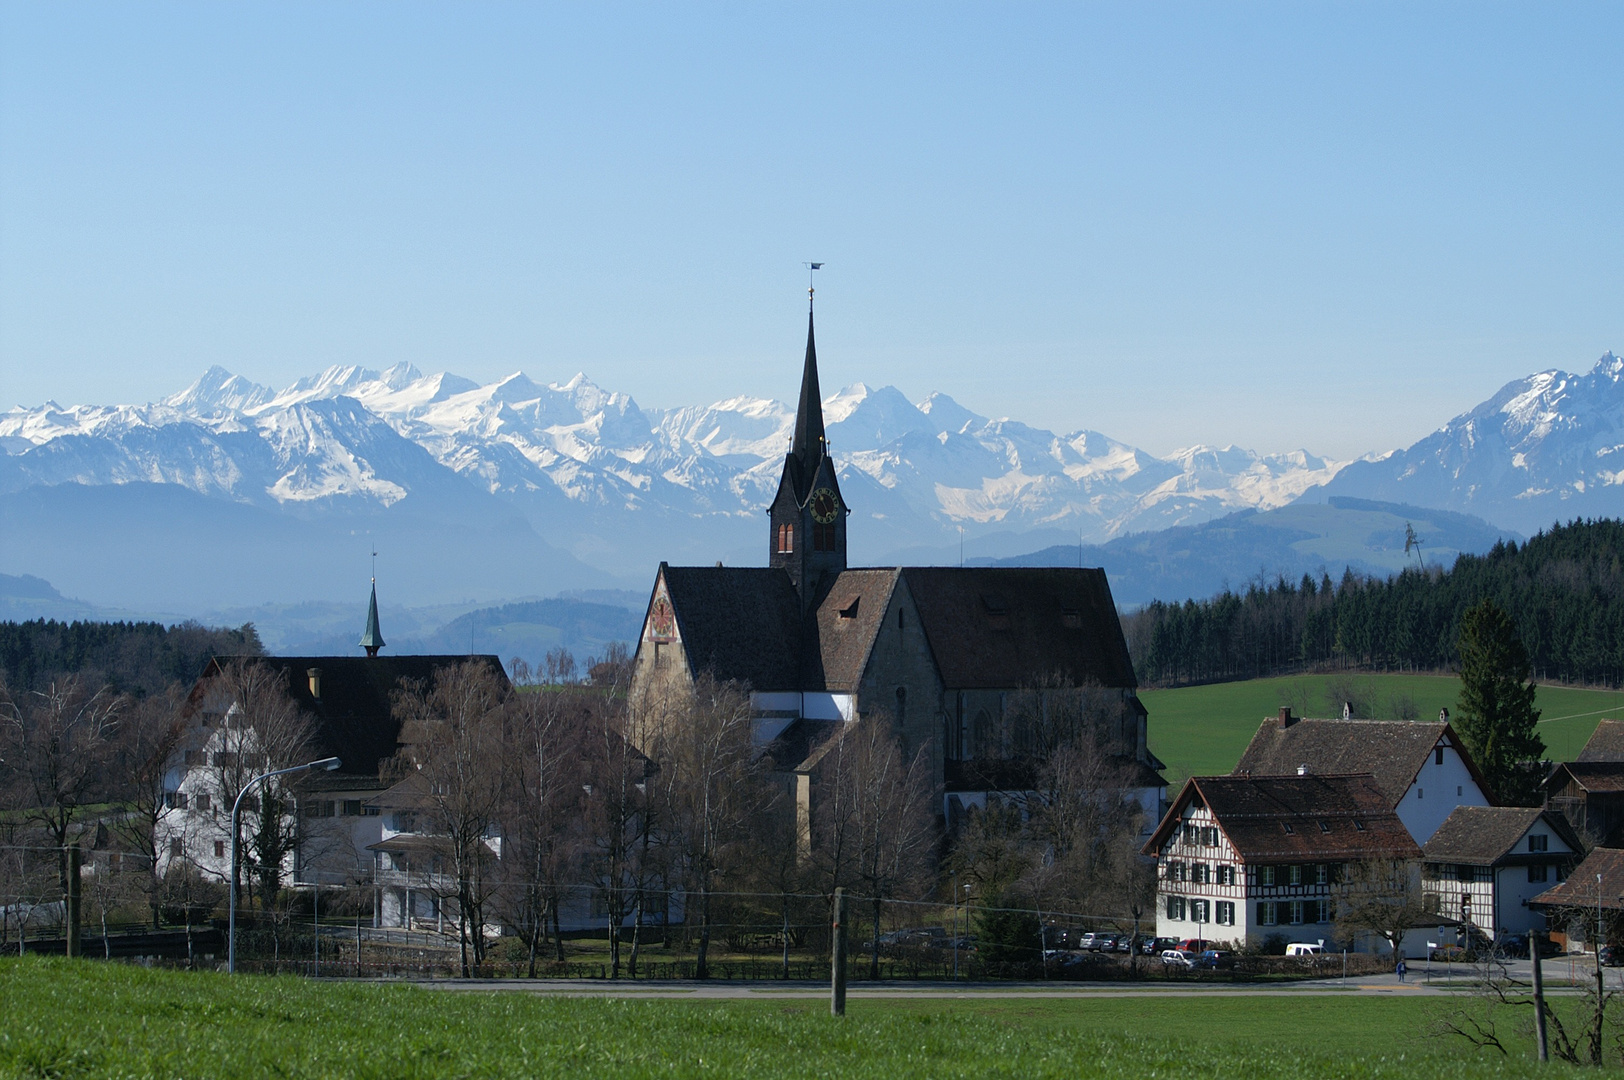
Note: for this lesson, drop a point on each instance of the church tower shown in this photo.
(808, 516)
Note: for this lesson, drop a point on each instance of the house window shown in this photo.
(1420, 793)
(352, 807)
(1358, 826)
(1225, 912)
(219, 849)
(370, 811)
(225, 759)
(1203, 873)
(176, 850)
(1463, 872)
(1265, 875)
(1319, 911)
(1296, 913)
(1325, 826)
(1175, 908)
(1539, 872)
(1322, 874)
(786, 539)
(194, 758)
(202, 802)
(174, 800)
(1437, 756)
(1226, 875)
(1287, 826)
(1192, 835)
(1294, 875)
(1539, 843)
(1209, 836)
(1268, 913)
(1200, 911)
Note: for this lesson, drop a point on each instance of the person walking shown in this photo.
(1401, 969)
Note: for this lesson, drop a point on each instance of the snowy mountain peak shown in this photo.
(218, 390)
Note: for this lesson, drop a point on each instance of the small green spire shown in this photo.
(372, 639)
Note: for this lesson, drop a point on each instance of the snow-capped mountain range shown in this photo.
(569, 465)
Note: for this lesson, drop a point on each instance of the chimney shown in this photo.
(314, 675)
(1302, 770)
(1286, 719)
(1347, 710)
(1443, 715)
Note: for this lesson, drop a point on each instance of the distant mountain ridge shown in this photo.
(231, 493)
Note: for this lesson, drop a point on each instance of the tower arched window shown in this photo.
(786, 539)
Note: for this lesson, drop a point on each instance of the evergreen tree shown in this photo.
(1496, 707)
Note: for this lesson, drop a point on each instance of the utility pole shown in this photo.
(1539, 997)
(837, 957)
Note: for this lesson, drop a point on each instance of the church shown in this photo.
(946, 653)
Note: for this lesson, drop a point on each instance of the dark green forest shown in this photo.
(138, 657)
(1564, 589)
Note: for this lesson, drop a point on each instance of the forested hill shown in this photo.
(1564, 588)
(141, 657)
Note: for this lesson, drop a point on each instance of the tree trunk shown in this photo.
(558, 930)
(874, 945)
(702, 958)
(637, 934)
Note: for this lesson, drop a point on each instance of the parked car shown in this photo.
(1178, 958)
(1303, 948)
(1158, 945)
(1196, 945)
(1612, 956)
(1106, 942)
(1515, 947)
(1129, 944)
(1214, 960)
(1089, 941)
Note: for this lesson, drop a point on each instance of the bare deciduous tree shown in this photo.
(453, 734)
(1381, 897)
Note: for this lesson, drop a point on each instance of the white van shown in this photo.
(1302, 948)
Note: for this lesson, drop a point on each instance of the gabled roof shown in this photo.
(355, 719)
(1606, 743)
(1392, 751)
(796, 745)
(843, 627)
(740, 623)
(1582, 890)
(997, 627)
(1593, 777)
(1486, 835)
(1295, 818)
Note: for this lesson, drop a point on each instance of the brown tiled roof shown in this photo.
(1484, 835)
(994, 627)
(843, 628)
(1581, 888)
(1392, 751)
(355, 719)
(739, 623)
(1296, 818)
(1596, 777)
(1606, 743)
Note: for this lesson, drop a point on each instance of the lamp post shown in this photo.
(329, 764)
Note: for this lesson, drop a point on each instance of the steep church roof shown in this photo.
(993, 627)
(738, 623)
(810, 443)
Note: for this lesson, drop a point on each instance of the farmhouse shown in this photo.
(1239, 858)
(952, 657)
(1420, 767)
(1589, 791)
(347, 700)
(1486, 863)
(1593, 892)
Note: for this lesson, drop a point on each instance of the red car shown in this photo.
(1195, 945)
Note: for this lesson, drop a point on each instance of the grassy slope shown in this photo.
(95, 1019)
(1201, 730)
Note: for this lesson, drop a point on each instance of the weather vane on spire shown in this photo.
(811, 266)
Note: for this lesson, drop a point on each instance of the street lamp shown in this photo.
(329, 763)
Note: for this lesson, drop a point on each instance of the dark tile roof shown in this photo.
(995, 627)
(740, 623)
(355, 719)
(1595, 777)
(798, 742)
(843, 628)
(1392, 751)
(1606, 743)
(1581, 888)
(1485, 835)
(1331, 818)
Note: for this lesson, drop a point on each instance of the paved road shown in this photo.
(1421, 981)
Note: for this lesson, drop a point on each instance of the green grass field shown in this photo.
(1202, 730)
(95, 1019)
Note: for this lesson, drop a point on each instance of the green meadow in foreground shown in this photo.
(1202, 730)
(86, 1018)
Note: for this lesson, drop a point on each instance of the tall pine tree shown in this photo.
(1496, 708)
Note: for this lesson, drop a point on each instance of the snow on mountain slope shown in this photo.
(1545, 448)
(572, 458)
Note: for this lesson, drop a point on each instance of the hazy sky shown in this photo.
(1330, 226)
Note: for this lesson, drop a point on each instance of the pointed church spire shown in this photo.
(810, 444)
(372, 639)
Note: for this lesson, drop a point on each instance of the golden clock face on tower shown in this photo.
(825, 506)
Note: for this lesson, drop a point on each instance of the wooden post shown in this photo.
(837, 957)
(71, 908)
(1539, 998)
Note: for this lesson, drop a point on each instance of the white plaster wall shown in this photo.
(1435, 792)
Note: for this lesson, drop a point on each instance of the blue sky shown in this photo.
(1329, 226)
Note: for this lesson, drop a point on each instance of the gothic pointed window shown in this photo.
(786, 539)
